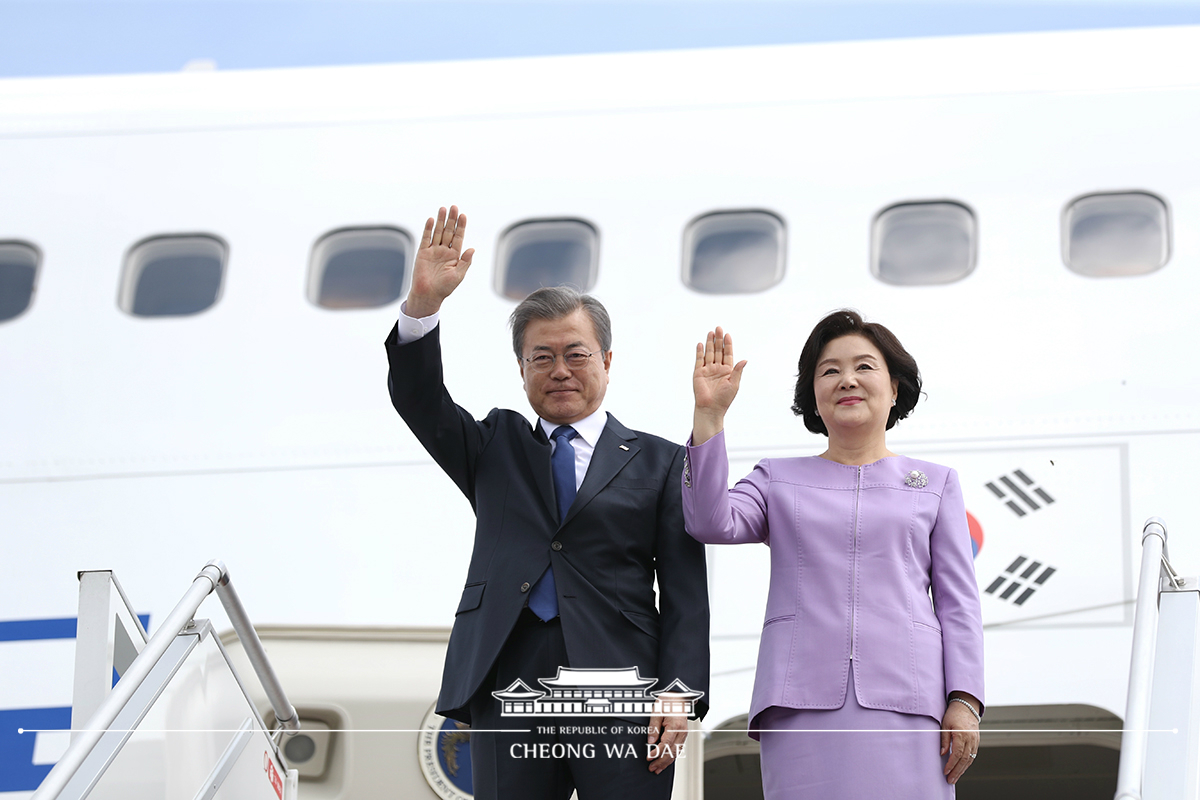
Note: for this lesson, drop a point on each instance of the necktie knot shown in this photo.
(564, 430)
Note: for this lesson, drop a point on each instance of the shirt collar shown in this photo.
(589, 428)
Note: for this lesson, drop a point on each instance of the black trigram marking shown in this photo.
(1021, 576)
(1022, 490)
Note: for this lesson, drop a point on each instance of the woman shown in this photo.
(860, 539)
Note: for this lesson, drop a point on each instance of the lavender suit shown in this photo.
(856, 554)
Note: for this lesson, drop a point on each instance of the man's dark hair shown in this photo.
(556, 302)
(847, 322)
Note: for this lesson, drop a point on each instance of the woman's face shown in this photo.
(853, 387)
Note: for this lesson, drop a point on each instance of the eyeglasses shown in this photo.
(544, 362)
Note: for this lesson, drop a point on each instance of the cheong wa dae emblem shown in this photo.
(597, 692)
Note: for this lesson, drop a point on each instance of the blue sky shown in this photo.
(86, 37)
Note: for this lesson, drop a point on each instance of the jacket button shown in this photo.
(556, 545)
(524, 587)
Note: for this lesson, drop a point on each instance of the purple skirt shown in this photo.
(886, 754)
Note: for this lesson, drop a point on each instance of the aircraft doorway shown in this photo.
(1080, 764)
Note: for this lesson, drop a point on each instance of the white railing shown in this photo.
(96, 743)
(1160, 744)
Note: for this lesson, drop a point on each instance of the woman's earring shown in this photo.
(893, 401)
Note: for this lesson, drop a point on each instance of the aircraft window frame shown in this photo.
(160, 247)
(892, 214)
(35, 253)
(521, 234)
(1069, 224)
(333, 243)
(725, 221)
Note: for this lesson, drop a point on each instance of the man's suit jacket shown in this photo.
(856, 552)
(625, 525)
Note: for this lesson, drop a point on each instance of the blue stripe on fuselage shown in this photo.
(18, 773)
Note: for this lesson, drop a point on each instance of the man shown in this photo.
(575, 517)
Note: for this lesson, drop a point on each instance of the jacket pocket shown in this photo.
(646, 623)
(472, 596)
(773, 620)
(626, 483)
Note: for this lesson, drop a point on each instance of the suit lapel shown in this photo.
(617, 445)
(537, 452)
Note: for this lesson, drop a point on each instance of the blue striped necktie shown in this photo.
(543, 598)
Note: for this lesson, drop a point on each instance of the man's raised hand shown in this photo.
(441, 263)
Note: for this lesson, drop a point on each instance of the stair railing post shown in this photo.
(1141, 667)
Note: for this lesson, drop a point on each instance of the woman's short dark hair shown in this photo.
(847, 322)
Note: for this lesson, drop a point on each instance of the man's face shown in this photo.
(563, 395)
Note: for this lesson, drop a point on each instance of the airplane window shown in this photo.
(734, 252)
(18, 277)
(171, 276)
(552, 252)
(360, 268)
(1116, 233)
(924, 243)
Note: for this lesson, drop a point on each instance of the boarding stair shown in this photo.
(168, 715)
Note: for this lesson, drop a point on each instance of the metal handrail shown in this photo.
(1141, 668)
(285, 714)
(213, 576)
(79, 750)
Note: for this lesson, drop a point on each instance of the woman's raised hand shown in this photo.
(715, 382)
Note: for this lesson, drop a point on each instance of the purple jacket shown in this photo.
(855, 555)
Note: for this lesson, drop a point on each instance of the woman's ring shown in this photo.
(973, 754)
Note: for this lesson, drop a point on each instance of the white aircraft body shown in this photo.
(1020, 209)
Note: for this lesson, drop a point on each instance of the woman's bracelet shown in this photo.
(970, 707)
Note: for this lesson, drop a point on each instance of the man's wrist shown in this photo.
(414, 326)
(421, 307)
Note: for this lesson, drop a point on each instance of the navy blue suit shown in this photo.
(624, 528)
